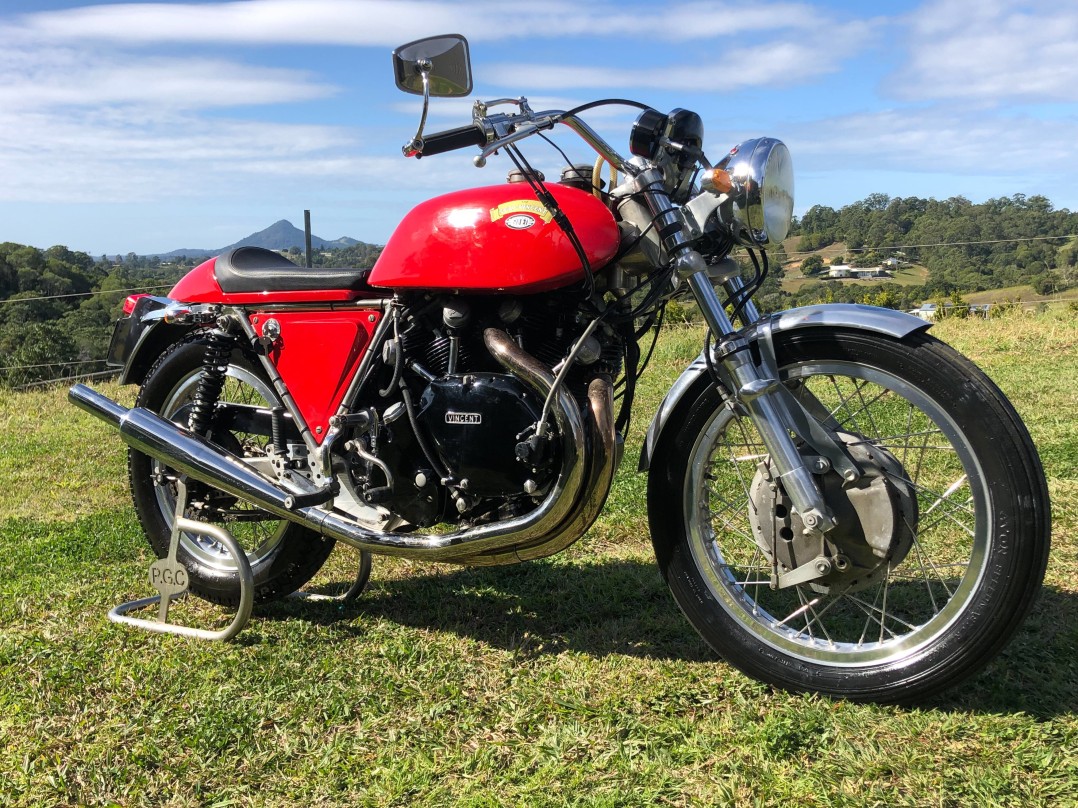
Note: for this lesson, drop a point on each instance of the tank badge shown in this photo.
(520, 214)
(520, 221)
(464, 418)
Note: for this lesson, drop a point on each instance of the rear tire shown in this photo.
(940, 614)
(282, 554)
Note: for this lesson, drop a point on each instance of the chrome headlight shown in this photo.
(763, 195)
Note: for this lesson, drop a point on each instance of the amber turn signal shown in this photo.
(717, 181)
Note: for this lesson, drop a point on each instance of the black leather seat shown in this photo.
(254, 269)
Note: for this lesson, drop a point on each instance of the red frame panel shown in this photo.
(317, 355)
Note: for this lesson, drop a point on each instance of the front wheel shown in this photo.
(959, 492)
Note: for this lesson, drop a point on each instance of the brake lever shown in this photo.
(479, 108)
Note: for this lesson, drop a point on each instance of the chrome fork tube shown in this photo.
(756, 391)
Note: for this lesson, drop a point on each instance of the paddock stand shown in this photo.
(169, 577)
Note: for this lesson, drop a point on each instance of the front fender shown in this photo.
(897, 324)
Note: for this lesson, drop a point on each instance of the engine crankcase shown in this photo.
(482, 427)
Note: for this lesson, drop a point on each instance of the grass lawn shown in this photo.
(567, 681)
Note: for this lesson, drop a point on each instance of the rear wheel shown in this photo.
(959, 490)
(283, 555)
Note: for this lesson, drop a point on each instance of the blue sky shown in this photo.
(156, 126)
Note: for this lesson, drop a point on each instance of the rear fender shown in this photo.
(138, 339)
(692, 382)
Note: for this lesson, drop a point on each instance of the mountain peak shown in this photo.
(282, 235)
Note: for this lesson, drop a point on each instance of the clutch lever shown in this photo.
(522, 131)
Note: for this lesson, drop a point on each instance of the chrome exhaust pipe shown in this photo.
(185, 451)
(602, 454)
(195, 456)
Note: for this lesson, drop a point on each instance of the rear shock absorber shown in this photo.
(219, 344)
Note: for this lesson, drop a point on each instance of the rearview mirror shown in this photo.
(440, 61)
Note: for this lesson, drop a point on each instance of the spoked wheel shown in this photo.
(939, 551)
(283, 555)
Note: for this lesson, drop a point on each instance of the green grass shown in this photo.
(573, 680)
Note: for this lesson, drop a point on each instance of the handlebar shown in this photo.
(493, 132)
(450, 139)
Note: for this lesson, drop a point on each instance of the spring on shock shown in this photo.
(212, 381)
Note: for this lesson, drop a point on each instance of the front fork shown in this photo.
(755, 385)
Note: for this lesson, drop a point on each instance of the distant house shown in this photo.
(869, 272)
(930, 311)
(846, 271)
(891, 263)
(927, 311)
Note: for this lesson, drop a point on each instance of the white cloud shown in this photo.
(390, 22)
(49, 80)
(938, 140)
(46, 157)
(990, 51)
(818, 48)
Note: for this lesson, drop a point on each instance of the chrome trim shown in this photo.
(379, 303)
(415, 145)
(601, 147)
(119, 614)
(897, 324)
(502, 130)
(892, 323)
(197, 457)
(762, 173)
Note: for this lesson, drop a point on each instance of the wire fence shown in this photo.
(939, 244)
(87, 294)
(101, 375)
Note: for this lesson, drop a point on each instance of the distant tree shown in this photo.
(811, 265)
(34, 352)
(868, 258)
(1047, 284)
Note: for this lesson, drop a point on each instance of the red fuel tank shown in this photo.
(495, 239)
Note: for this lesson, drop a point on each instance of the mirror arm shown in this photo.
(415, 145)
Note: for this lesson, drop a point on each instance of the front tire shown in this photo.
(979, 542)
(282, 554)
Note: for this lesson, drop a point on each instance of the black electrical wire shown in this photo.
(605, 102)
(655, 325)
(564, 156)
(543, 195)
(744, 295)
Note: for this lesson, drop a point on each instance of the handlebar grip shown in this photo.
(450, 139)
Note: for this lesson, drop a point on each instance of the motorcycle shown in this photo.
(839, 502)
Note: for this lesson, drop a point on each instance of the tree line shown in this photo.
(58, 306)
(998, 243)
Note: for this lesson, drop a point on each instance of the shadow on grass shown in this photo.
(532, 609)
(624, 608)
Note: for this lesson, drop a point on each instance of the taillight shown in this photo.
(129, 303)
